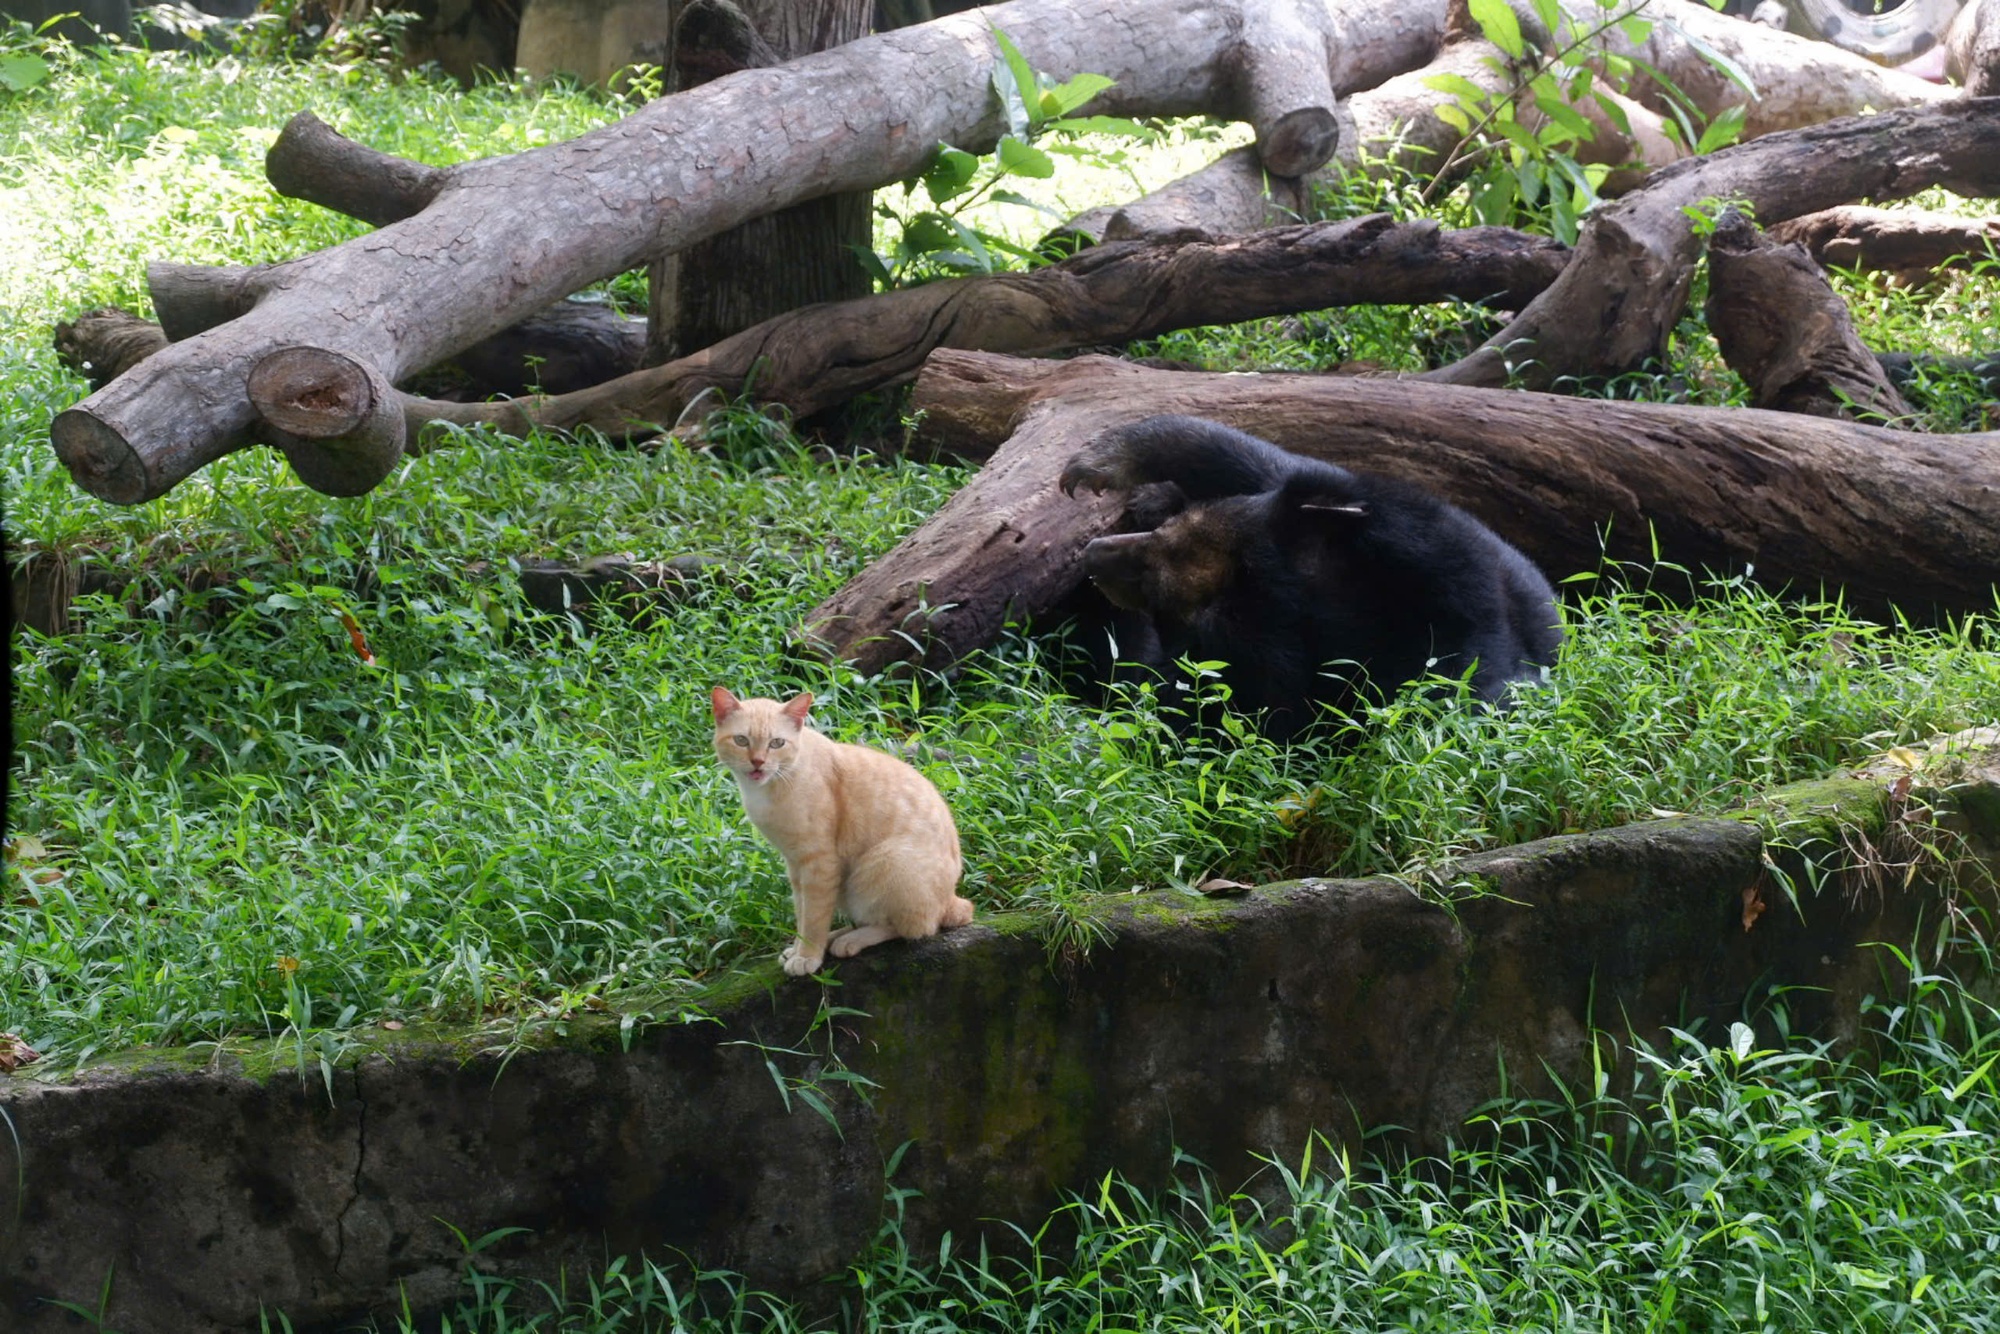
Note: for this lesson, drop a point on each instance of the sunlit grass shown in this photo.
(242, 828)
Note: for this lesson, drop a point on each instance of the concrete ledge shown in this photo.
(1228, 1028)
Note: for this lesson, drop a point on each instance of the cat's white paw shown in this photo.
(798, 964)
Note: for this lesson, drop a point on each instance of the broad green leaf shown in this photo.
(21, 71)
(974, 243)
(1451, 115)
(1122, 126)
(951, 170)
(1614, 111)
(1636, 30)
(1460, 87)
(1067, 97)
(1017, 92)
(926, 233)
(1716, 58)
(1502, 29)
(1010, 197)
(1529, 179)
(876, 267)
(1566, 117)
(1519, 135)
(1724, 130)
(1022, 159)
(1550, 13)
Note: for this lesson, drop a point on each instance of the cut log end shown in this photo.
(338, 421)
(99, 457)
(1299, 141)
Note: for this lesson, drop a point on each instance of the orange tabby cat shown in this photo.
(859, 830)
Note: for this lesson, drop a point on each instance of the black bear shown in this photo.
(1318, 586)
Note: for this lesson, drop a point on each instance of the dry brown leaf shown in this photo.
(1753, 904)
(15, 1053)
(1219, 886)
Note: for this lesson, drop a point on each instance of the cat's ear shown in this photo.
(795, 708)
(723, 703)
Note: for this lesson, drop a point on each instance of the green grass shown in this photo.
(232, 827)
(1736, 1186)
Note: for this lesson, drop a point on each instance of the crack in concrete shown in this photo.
(354, 1195)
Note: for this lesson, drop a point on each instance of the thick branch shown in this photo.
(813, 358)
(1782, 327)
(1613, 307)
(1287, 87)
(1891, 516)
(310, 160)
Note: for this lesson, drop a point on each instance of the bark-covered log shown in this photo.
(1899, 241)
(560, 349)
(1784, 329)
(1628, 284)
(1892, 517)
(814, 358)
(507, 236)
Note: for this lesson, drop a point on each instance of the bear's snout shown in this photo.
(1117, 565)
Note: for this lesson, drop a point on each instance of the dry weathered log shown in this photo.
(1627, 286)
(103, 344)
(507, 236)
(1784, 329)
(1972, 48)
(814, 358)
(1891, 516)
(1906, 243)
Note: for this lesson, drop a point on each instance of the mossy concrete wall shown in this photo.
(1228, 1028)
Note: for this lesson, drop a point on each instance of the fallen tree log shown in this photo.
(823, 355)
(1628, 283)
(570, 345)
(1782, 327)
(505, 237)
(1891, 518)
(1903, 242)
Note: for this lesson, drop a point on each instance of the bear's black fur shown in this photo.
(1315, 584)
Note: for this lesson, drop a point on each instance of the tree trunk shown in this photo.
(1899, 241)
(1893, 517)
(1784, 329)
(508, 236)
(795, 257)
(814, 358)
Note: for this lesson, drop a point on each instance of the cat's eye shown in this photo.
(741, 740)
(776, 742)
